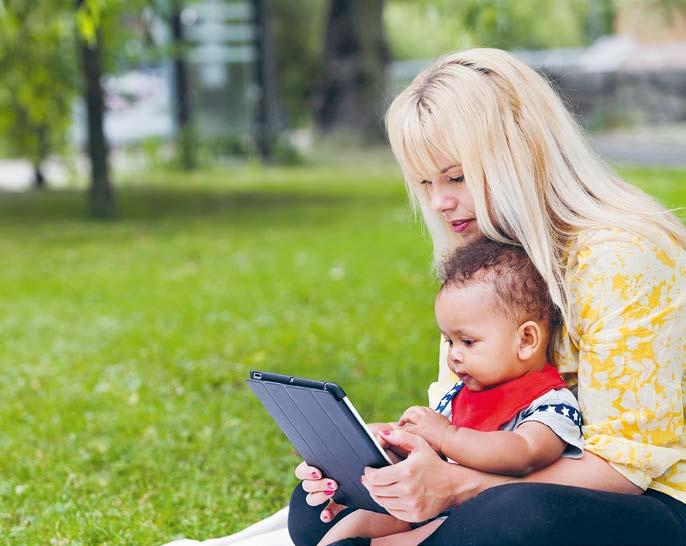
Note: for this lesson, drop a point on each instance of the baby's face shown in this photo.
(483, 344)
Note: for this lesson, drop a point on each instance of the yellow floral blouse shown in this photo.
(626, 355)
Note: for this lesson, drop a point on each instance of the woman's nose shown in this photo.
(441, 200)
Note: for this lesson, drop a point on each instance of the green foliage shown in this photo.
(427, 28)
(38, 78)
(39, 66)
(527, 23)
(298, 30)
(88, 18)
(125, 416)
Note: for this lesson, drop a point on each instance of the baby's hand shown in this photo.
(426, 423)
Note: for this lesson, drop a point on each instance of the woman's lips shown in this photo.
(459, 226)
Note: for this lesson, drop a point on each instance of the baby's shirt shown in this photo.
(558, 409)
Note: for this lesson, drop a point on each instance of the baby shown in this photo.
(509, 412)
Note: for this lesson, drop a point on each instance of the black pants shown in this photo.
(534, 514)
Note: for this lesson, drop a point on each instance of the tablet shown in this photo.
(325, 428)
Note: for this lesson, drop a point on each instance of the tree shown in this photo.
(38, 81)
(267, 114)
(351, 93)
(182, 103)
(422, 29)
(297, 27)
(101, 194)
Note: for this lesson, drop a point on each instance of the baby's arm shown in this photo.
(531, 446)
(517, 453)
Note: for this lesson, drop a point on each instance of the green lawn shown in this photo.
(125, 345)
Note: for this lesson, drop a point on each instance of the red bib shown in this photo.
(490, 409)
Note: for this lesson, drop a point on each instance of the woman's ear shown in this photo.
(529, 337)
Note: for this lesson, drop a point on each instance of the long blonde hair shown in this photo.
(533, 177)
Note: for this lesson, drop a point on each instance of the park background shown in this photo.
(193, 189)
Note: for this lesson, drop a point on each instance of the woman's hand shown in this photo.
(418, 488)
(395, 453)
(319, 490)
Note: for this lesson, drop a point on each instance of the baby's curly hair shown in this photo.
(519, 291)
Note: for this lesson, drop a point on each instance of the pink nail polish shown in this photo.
(329, 485)
(314, 475)
(328, 492)
(385, 432)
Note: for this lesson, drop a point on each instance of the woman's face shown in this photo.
(451, 199)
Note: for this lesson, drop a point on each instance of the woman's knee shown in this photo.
(302, 525)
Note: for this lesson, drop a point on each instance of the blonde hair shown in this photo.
(533, 177)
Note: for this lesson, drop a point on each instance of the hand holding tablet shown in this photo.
(326, 429)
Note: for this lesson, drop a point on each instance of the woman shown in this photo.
(487, 149)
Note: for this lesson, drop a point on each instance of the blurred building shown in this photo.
(646, 21)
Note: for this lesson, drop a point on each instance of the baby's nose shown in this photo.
(456, 356)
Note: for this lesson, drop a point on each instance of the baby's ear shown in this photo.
(529, 339)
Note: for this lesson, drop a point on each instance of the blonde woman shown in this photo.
(487, 149)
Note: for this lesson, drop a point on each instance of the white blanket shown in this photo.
(271, 531)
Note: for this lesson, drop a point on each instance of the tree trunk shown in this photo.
(38, 177)
(101, 195)
(351, 94)
(268, 111)
(182, 103)
(39, 182)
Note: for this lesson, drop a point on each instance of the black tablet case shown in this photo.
(323, 430)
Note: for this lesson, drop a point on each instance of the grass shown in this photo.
(125, 345)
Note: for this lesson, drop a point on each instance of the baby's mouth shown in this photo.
(464, 377)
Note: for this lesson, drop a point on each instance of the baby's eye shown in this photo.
(457, 179)
(468, 342)
(448, 341)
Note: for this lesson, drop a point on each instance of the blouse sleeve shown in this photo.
(630, 331)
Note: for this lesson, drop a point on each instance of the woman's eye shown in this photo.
(457, 178)
(425, 182)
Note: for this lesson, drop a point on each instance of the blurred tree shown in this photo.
(600, 16)
(185, 142)
(298, 30)
(268, 112)
(90, 37)
(38, 81)
(351, 91)
(171, 12)
(420, 29)
(526, 23)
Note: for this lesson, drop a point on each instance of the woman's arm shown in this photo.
(423, 485)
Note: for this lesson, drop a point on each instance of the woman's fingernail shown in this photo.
(325, 516)
(385, 432)
(329, 485)
(315, 475)
(328, 492)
